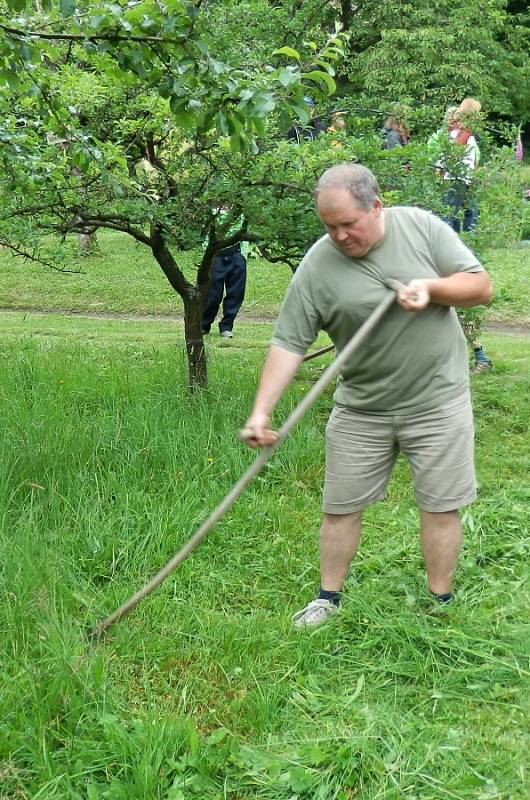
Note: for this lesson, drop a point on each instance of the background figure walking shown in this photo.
(229, 278)
(460, 196)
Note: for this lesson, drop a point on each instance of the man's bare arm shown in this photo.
(461, 289)
(278, 371)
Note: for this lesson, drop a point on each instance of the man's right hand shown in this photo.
(278, 371)
(256, 432)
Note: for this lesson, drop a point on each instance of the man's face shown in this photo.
(353, 229)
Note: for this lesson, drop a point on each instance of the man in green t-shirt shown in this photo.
(407, 388)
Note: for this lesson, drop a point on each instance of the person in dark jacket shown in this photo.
(299, 134)
(395, 133)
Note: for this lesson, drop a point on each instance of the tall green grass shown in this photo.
(107, 467)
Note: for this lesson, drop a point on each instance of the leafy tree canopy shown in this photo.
(420, 54)
(149, 117)
(169, 48)
(126, 116)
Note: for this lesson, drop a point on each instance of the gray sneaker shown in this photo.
(227, 334)
(314, 614)
(481, 366)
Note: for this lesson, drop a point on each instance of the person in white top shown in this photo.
(459, 197)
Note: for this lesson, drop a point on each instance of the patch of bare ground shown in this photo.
(495, 326)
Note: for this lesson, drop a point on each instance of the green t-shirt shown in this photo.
(412, 361)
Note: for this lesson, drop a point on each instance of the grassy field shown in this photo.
(204, 691)
(123, 277)
(107, 466)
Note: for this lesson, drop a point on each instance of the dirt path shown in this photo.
(509, 328)
(495, 326)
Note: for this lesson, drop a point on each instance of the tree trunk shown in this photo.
(193, 298)
(88, 243)
(197, 367)
(346, 14)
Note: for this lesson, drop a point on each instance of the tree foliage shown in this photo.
(420, 54)
(436, 54)
(168, 48)
(125, 116)
(149, 117)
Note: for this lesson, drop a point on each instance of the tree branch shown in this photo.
(113, 223)
(168, 264)
(32, 257)
(103, 37)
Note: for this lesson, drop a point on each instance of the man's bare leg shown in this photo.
(339, 540)
(441, 539)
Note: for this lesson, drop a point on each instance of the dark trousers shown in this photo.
(229, 277)
(458, 198)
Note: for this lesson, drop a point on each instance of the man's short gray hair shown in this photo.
(356, 179)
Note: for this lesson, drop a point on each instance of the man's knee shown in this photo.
(342, 520)
(440, 519)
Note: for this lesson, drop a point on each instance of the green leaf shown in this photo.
(300, 779)
(10, 77)
(166, 87)
(67, 7)
(184, 119)
(236, 143)
(359, 687)
(92, 792)
(302, 113)
(178, 104)
(80, 156)
(26, 52)
(263, 104)
(287, 51)
(193, 741)
(319, 76)
(217, 66)
(221, 123)
(287, 77)
(96, 20)
(217, 736)
(235, 124)
(259, 125)
(327, 67)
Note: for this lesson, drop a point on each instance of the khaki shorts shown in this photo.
(361, 450)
